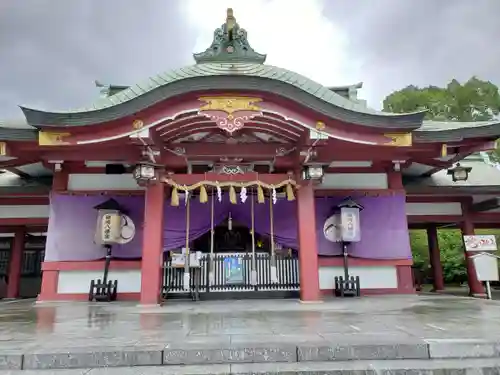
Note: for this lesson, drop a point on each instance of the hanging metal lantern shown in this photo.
(145, 172)
(313, 172)
(459, 173)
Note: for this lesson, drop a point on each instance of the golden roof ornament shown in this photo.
(230, 20)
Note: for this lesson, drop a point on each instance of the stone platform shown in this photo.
(370, 334)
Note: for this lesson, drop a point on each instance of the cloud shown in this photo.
(53, 50)
(295, 35)
(397, 43)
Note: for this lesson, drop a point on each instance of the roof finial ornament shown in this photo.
(230, 44)
(230, 21)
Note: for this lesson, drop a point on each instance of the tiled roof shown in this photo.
(224, 76)
(482, 175)
(17, 130)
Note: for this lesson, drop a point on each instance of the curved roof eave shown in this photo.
(356, 86)
(441, 131)
(17, 130)
(225, 76)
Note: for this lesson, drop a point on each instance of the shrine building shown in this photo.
(228, 176)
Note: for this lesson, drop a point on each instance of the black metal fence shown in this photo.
(232, 274)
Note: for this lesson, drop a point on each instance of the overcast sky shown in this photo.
(51, 51)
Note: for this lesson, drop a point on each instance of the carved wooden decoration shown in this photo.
(231, 169)
(230, 113)
(52, 138)
(399, 139)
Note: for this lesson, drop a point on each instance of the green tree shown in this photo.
(452, 254)
(475, 100)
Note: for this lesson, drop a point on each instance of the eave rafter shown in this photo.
(193, 123)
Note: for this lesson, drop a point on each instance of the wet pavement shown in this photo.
(29, 327)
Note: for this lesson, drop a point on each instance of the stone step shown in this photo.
(213, 354)
(476, 366)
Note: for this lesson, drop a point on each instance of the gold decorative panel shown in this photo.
(137, 124)
(230, 113)
(52, 138)
(3, 149)
(230, 104)
(399, 139)
(444, 150)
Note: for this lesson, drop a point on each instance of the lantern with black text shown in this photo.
(108, 232)
(350, 231)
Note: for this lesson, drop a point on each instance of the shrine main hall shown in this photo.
(230, 177)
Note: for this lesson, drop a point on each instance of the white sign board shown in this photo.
(179, 260)
(486, 267)
(485, 242)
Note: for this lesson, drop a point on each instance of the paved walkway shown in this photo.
(30, 327)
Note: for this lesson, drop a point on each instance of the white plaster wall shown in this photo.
(129, 281)
(384, 277)
(24, 211)
(415, 209)
(350, 164)
(354, 181)
(99, 181)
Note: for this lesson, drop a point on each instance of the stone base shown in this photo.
(311, 302)
(479, 295)
(264, 357)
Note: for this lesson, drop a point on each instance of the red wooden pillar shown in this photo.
(308, 245)
(435, 257)
(152, 244)
(475, 286)
(16, 263)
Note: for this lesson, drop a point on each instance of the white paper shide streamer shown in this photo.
(219, 194)
(186, 281)
(243, 194)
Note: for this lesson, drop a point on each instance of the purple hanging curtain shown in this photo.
(174, 233)
(284, 219)
(384, 228)
(72, 224)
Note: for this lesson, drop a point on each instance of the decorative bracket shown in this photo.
(232, 169)
(3, 149)
(230, 113)
(52, 138)
(399, 139)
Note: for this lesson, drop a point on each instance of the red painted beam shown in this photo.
(190, 179)
(29, 229)
(237, 150)
(103, 192)
(122, 154)
(435, 199)
(24, 221)
(356, 192)
(23, 201)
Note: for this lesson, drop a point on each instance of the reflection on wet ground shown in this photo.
(30, 327)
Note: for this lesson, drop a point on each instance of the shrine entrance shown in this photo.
(231, 259)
